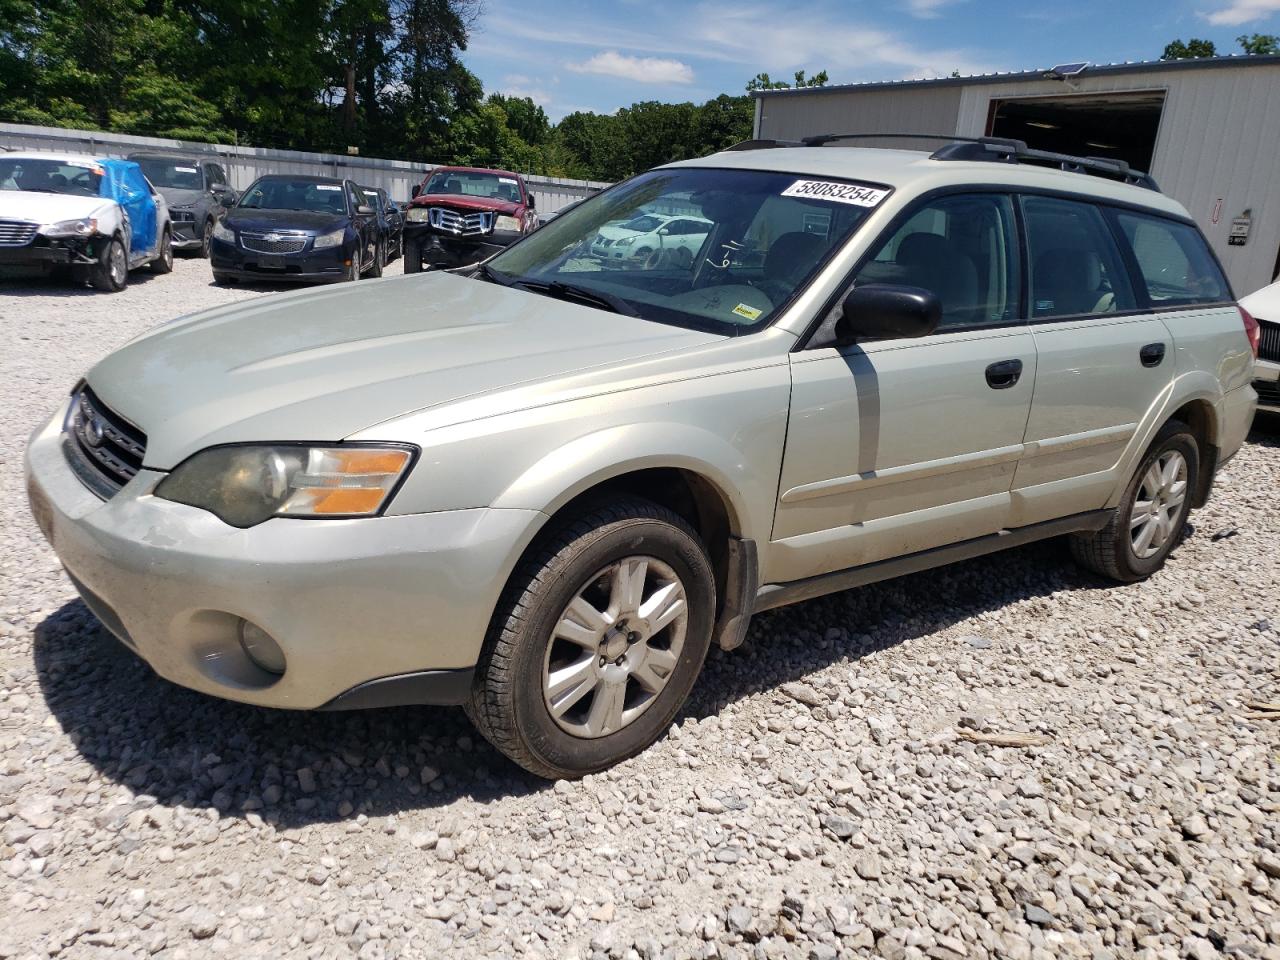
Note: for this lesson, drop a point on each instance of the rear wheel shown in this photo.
(163, 263)
(111, 272)
(379, 260)
(1148, 523)
(597, 641)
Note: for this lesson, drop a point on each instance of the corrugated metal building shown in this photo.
(1208, 130)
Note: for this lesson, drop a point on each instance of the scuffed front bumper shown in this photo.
(367, 612)
(185, 229)
(45, 252)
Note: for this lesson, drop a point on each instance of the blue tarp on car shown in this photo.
(124, 183)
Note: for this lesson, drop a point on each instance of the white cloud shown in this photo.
(1237, 12)
(927, 9)
(660, 70)
(796, 43)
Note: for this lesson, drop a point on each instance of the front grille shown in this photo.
(16, 233)
(461, 224)
(182, 216)
(105, 450)
(1269, 347)
(273, 242)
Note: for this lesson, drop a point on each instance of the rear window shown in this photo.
(1174, 261)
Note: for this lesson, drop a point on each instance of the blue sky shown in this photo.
(573, 55)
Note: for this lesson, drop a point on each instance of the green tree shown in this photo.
(1177, 50)
(526, 119)
(762, 81)
(1259, 44)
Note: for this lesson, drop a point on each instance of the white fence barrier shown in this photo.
(246, 164)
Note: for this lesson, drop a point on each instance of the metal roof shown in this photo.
(1104, 69)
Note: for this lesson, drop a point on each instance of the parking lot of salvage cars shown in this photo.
(832, 790)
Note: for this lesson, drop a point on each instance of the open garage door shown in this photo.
(1120, 126)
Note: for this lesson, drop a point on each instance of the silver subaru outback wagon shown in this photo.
(543, 487)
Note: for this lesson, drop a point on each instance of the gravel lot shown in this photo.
(818, 799)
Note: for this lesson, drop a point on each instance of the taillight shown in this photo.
(1251, 330)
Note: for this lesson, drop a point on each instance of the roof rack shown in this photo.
(990, 149)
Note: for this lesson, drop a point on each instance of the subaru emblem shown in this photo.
(92, 430)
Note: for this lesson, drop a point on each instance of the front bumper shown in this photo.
(448, 250)
(1267, 385)
(185, 232)
(310, 266)
(367, 612)
(45, 252)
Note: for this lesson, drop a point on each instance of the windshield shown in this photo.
(49, 176)
(291, 194)
(178, 174)
(490, 186)
(720, 250)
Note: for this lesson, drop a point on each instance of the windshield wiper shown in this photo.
(569, 291)
(497, 276)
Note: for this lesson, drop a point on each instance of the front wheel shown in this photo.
(1148, 522)
(597, 641)
(206, 240)
(111, 272)
(412, 256)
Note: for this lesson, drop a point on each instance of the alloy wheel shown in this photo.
(1158, 504)
(118, 268)
(615, 646)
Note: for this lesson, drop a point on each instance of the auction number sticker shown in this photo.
(834, 190)
(185, 169)
(327, 186)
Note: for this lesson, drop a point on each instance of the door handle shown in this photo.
(1004, 374)
(1151, 354)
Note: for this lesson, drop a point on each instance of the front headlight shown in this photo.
(625, 242)
(417, 215)
(84, 227)
(327, 240)
(245, 485)
(508, 223)
(224, 233)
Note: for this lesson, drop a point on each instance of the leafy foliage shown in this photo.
(383, 76)
(1259, 44)
(1177, 50)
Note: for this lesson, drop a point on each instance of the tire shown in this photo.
(379, 261)
(1166, 476)
(412, 257)
(639, 671)
(353, 271)
(111, 273)
(206, 240)
(683, 258)
(164, 262)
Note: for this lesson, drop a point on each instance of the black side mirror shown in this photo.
(417, 189)
(886, 311)
(533, 204)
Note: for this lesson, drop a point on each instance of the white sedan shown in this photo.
(651, 240)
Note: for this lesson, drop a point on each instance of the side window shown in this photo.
(1175, 264)
(1075, 264)
(963, 248)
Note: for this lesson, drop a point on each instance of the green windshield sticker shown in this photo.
(751, 313)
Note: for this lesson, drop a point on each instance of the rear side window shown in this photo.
(1076, 269)
(1174, 261)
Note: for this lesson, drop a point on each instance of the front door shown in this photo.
(897, 446)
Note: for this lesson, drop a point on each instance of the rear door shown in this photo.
(897, 446)
(1104, 359)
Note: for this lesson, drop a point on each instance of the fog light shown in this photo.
(260, 648)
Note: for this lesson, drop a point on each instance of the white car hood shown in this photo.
(47, 208)
(618, 232)
(1264, 304)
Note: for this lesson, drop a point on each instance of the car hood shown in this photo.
(1264, 304)
(179, 197)
(460, 202)
(47, 207)
(242, 218)
(321, 365)
(618, 232)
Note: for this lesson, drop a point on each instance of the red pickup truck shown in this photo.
(462, 215)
